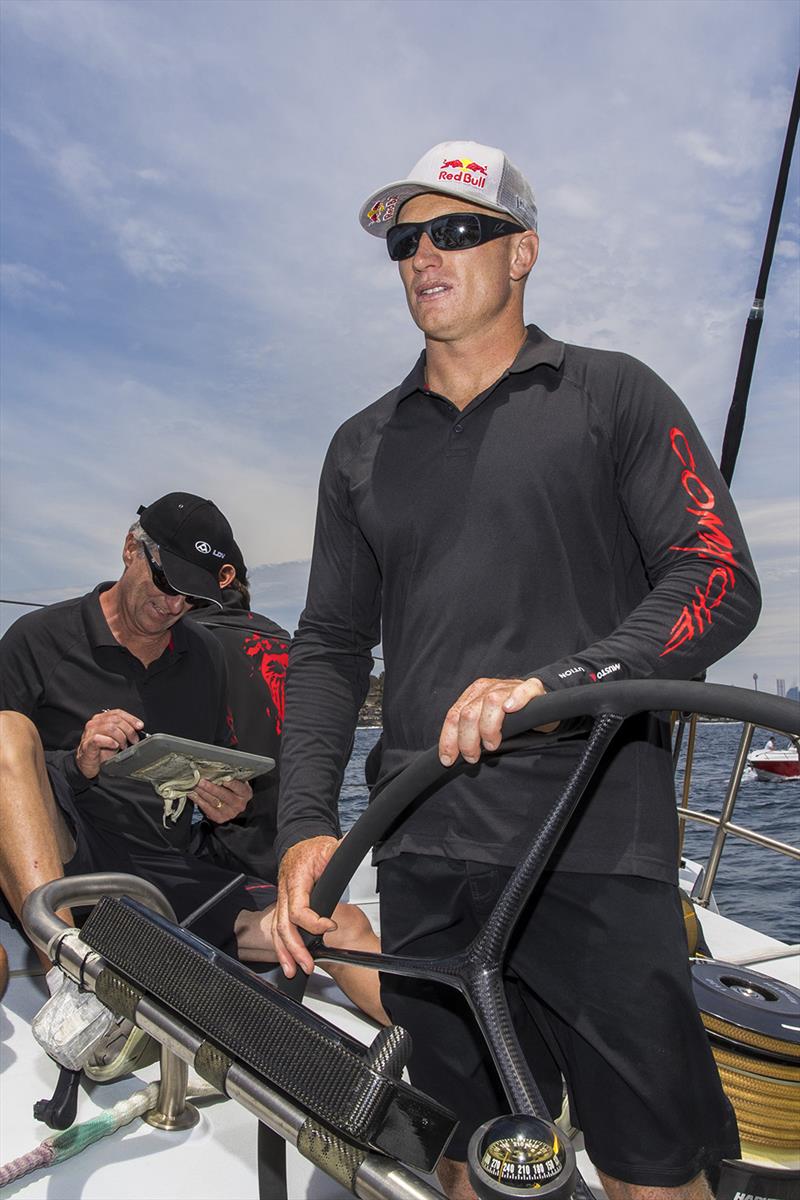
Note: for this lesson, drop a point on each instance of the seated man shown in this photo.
(88, 677)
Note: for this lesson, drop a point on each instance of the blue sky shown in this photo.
(189, 302)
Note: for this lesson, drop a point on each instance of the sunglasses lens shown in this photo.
(453, 231)
(457, 231)
(402, 241)
(162, 583)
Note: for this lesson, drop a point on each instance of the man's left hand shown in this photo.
(221, 802)
(475, 721)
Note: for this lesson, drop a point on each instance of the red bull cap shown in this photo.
(468, 170)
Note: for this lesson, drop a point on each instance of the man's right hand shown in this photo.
(301, 867)
(104, 735)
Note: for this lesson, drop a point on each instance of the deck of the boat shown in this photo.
(218, 1157)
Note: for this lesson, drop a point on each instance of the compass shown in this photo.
(521, 1156)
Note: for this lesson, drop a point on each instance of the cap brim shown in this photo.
(386, 203)
(189, 579)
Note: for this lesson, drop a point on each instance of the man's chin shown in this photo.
(156, 626)
(435, 326)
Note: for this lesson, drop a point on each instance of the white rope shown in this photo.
(65, 1145)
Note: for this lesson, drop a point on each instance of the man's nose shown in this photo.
(426, 254)
(175, 604)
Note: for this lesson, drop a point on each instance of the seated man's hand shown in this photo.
(475, 721)
(301, 867)
(221, 802)
(104, 735)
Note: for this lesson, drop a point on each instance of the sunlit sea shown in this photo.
(755, 886)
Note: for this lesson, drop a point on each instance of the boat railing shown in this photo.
(724, 824)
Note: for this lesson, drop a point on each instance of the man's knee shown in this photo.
(20, 746)
(353, 928)
(25, 786)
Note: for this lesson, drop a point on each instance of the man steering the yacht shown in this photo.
(518, 516)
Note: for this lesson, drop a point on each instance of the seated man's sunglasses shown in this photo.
(161, 581)
(452, 231)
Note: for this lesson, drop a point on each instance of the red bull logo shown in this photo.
(463, 170)
(382, 210)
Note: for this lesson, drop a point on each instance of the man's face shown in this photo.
(452, 294)
(146, 611)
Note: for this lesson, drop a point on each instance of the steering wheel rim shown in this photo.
(624, 699)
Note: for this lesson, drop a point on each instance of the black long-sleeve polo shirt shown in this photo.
(62, 664)
(570, 524)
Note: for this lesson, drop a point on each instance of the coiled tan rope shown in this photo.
(765, 1095)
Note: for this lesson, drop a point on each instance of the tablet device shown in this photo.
(162, 757)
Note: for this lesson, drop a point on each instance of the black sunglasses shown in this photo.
(452, 231)
(161, 581)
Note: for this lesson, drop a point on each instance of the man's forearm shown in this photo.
(325, 690)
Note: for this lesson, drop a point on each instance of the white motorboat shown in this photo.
(775, 765)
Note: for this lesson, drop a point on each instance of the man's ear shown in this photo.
(130, 549)
(525, 255)
(226, 576)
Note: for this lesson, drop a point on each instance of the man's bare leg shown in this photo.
(696, 1189)
(353, 932)
(361, 984)
(36, 842)
(455, 1182)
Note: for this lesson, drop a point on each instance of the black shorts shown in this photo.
(187, 880)
(599, 988)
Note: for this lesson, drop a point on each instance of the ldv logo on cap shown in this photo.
(204, 548)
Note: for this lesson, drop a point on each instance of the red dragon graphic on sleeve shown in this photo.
(712, 544)
(271, 659)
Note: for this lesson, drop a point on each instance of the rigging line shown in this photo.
(738, 408)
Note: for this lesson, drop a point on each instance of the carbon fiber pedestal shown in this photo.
(351, 1089)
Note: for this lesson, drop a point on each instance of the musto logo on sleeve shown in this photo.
(712, 544)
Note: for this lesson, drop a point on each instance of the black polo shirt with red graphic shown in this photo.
(570, 524)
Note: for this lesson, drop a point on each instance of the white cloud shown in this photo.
(575, 201)
(151, 175)
(699, 146)
(78, 170)
(784, 248)
(25, 285)
(147, 252)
